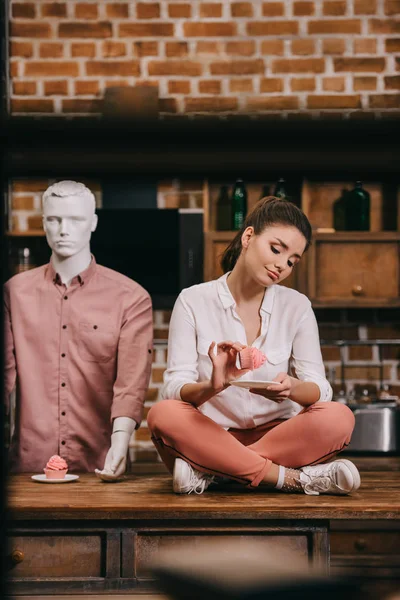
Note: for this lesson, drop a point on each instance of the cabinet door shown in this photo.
(354, 270)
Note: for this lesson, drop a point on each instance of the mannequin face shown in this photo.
(68, 223)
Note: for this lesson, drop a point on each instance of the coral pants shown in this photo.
(315, 435)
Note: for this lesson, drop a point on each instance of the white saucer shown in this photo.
(43, 479)
(256, 383)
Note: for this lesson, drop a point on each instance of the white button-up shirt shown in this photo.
(289, 338)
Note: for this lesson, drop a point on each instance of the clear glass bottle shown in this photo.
(224, 210)
(280, 191)
(358, 203)
(24, 260)
(239, 204)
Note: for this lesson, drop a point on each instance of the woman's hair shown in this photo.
(268, 211)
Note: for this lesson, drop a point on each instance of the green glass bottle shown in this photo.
(358, 203)
(239, 204)
(224, 210)
(339, 212)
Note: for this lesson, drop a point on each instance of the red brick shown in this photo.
(117, 11)
(365, 46)
(23, 11)
(146, 30)
(333, 102)
(87, 88)
(149, 10)
(35, 221)
(209, 47)
(83, 10)
(303, 84)
(333, 46)
(359, 65)
(209, 86)
(85, 30)
(25, 105)
(329, 26)
(24, 49)
(383, 332)
(56, 88)
(169, 105)
(303, 9)
(87, 49)
(272, 28)
(176, 49)
(384, 26)
(392, 7)
(241, 9)
(30, 185)
(330, 353)
(269, 85)
(392, 45)
(364, 7)
(209, 29)
(14, 68)
(334, 9)
(110, 68)
(397, 64)
(73, 105)
(30, 30)
(178, 87)
(384, 101)
(392, 82)
(298, 65)
(54, 9)
(241, 85)
(242, 48)
(360, 353)
(364, 84)
(116, 83)
(175, 67)
(238, 67)
(273, 9)
(210, 10)
(111, 49)
(23, 202)
(24, 88)
(145, 48)
(51, 69)
(272, 47)
(273, 103)
(219, 104)
(179, 11)
(304, 47)
(51, 50)
(333, 84)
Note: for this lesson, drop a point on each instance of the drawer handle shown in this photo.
(360, 544)
(357, 290)
(17, 556)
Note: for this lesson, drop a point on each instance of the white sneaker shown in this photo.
(337, 477)
(186, 479)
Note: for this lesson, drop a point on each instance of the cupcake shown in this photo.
(251, 358)
(56, 468)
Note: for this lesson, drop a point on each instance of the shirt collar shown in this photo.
(228, 300)
(82, 278)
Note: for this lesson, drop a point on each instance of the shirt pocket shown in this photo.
(97, 343)
(279, 355)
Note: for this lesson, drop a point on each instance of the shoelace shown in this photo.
(321, 482)
(199, 481)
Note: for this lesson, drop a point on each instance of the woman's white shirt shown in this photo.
(289, 337)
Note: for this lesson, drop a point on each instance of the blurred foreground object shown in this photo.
(131, 102)
(243, 571)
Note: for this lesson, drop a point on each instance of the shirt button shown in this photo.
(65, 297)
(64, 327)
(63, 385)
(94, 326)
(63, 355)
(63, 443)
(149, 351)
(63, 413)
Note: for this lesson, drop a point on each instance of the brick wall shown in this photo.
(322, 58)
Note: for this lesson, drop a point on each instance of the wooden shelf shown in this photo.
(29, 233)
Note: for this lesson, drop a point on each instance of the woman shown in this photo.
(283, 436)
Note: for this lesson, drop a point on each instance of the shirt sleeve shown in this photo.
(10, 365)
(182, 351)
(134, 360)
(307, 358)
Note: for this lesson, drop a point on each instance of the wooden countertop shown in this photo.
(151, 497)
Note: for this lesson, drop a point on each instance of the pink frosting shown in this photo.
(255, 357)
(56, 463)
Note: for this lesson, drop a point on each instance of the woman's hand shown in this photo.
(279, 392)
(224, 364)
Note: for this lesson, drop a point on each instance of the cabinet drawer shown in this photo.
(58, 555)
(364, 543)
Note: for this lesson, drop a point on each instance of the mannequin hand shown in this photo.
(115, 463)
(224, 364)
(279, 392)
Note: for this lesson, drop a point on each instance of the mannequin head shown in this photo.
(68, 217)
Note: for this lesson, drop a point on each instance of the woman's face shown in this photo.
(272, 255)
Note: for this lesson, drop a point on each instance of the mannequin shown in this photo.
(69, 219)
